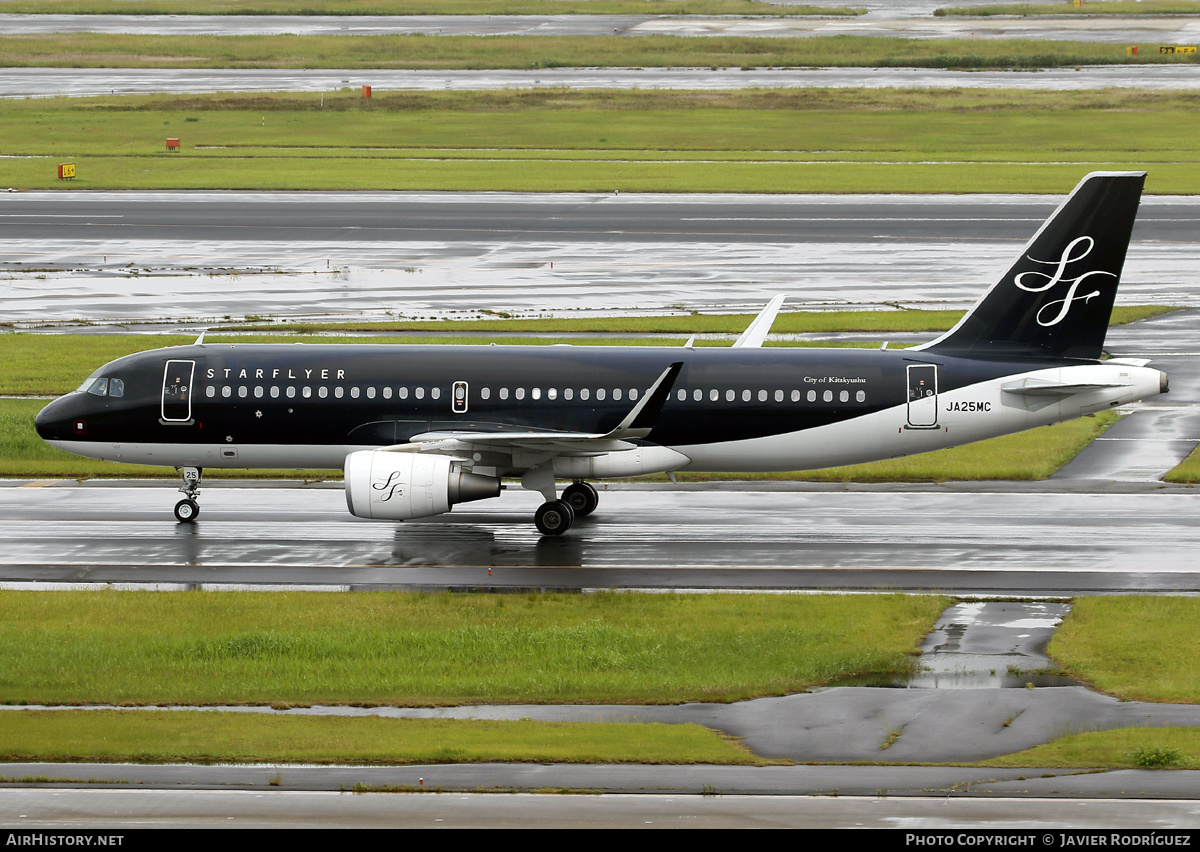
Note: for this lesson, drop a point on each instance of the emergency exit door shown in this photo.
(458, 398)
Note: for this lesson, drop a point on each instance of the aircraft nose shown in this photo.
(54, 422)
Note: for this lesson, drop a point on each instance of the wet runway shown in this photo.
(708, 807)
(82, 82)
(993, 539)
(112, 256)
(1132, 29)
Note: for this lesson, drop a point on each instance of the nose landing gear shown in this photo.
(188, 509)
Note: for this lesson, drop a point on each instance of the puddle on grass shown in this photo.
(985, 645)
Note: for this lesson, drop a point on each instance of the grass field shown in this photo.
(803, 141)
(438, 649)
(1124, 748)
(101, 50)
(417, 7)
(1118, 644)
(1187, 471)
(404, 649)
(408, 649)
(199, 737)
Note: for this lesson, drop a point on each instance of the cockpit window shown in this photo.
(103, 386)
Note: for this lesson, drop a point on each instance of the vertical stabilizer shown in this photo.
(1057, 298)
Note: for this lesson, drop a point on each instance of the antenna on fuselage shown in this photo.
(200, 339)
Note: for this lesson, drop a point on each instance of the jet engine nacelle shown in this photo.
(397, 486)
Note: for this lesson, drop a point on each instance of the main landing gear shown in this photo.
(554, 517)
(581, 497)
(188, 509)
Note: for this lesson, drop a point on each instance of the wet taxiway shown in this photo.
(1131, 29)
(998, 538)
(83, 82)
(111, 256)
(64, 809)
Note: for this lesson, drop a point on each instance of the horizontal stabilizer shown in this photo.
(1042, 387)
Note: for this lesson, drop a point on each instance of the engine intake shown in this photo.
(397, 486)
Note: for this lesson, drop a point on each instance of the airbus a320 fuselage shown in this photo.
(417, 429)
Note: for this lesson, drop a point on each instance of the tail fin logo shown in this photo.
(1052, 313)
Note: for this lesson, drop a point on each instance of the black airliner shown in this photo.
(418, 429)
